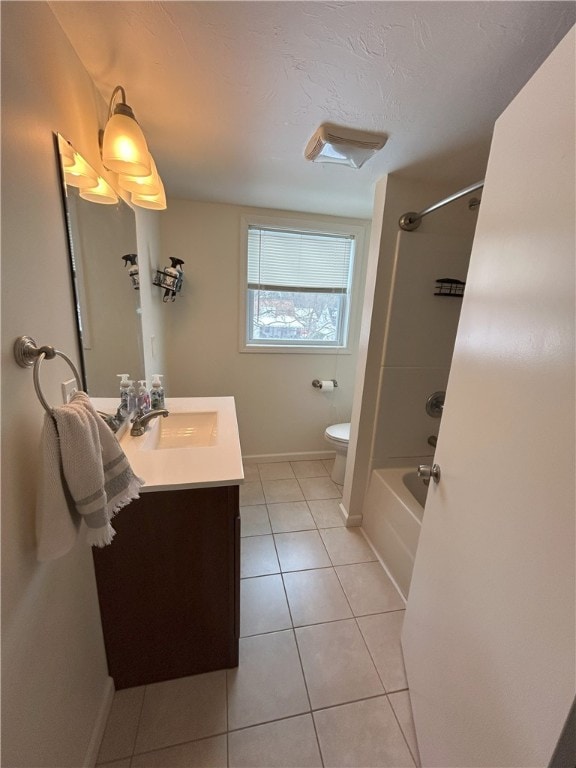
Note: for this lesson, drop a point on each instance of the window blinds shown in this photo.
(285, 260)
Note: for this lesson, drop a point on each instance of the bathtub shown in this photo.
(392, 518)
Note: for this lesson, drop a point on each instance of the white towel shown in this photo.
(85, 476)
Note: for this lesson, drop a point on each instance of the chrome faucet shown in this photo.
(141, 419)
(113, 421)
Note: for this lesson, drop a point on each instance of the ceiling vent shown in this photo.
(343, 146)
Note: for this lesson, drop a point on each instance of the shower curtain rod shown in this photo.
(412, 220)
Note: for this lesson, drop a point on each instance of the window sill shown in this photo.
(280, 349)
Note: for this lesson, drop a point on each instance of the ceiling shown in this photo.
(228, 93)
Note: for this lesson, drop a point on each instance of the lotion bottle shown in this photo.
(143, 402)
(157, 392)
(132, 404)
(124, 387)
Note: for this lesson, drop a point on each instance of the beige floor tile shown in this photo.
(346, 545)
(315, 597)
(251, 473)
(283, 744)
(278, 470)
(326, 513)
(337, 666)
(263, 606)
(251, 493)
(369, 589)
(364, 734)
(291, 516)
(301, 550)
(120, 732)
(206, 753)
(309, 469)
(255, 520)
(329, 464)
(382, 635)
(182, 710)
(277, 491)
(258, 556)
(115, 764)
(403, 709)
(319, 488)
(268, 682)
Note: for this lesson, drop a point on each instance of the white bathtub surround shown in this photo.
(393, 518)
(407, 333)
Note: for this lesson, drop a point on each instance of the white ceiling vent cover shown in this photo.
(344, 146)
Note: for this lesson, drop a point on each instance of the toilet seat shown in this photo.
(340, 433)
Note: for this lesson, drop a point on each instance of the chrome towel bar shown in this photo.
(27, 354)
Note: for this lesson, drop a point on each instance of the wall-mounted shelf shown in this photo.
(449, 286)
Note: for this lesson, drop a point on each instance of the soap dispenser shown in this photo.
(157, 392)
(124, 387)
(143, 401)
(131, 397)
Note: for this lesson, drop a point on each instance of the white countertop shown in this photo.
(170, 469)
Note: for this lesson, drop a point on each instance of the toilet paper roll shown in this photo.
(327, 386)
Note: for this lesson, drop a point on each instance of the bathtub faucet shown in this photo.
(435, 404)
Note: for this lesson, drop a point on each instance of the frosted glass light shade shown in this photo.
(102, 193)
(66, 152)
(155, 202)
(142, 185)
(80, 175)
(124, 148)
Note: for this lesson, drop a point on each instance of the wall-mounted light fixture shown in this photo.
(80, 174)
(124, 148)
(155, 202)
(170, 279)
(125, 151)
(141, 185)
(102, 193)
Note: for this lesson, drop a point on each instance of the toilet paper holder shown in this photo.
(317, 384)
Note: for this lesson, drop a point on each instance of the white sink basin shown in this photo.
(195, 429)
(207, 457)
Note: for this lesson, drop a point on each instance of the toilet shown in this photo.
(338, 435)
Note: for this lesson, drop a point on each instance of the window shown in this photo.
(298, 285)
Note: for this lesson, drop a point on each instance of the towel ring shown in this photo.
(27, 354)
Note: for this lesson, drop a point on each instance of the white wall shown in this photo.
(279, 412)
(54, 675)
(153, 312)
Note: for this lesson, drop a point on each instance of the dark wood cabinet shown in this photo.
(169, 586)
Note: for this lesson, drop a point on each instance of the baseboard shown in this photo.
(382, 563)
(268, 458)
(350, 521)
(99, 725)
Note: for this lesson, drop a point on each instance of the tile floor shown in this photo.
(321, 680)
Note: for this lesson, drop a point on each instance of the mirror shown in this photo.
(107, 303)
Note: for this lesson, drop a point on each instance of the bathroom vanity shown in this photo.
(169, 583)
